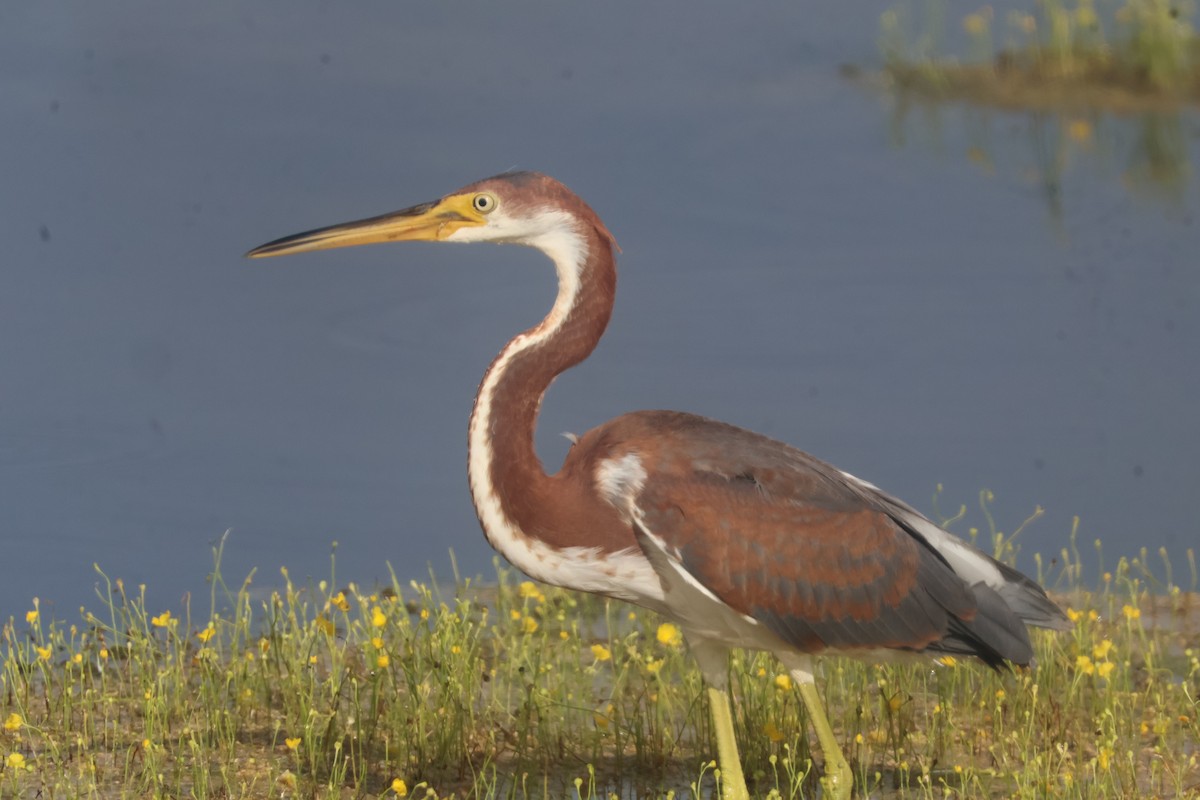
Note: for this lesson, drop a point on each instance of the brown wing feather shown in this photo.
(790, 541)
(817, 576)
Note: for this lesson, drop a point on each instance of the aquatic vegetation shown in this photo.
(515, 689)
(1143, 55)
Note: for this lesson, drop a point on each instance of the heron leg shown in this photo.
(838, 780)
(713, 659)
(732, 779)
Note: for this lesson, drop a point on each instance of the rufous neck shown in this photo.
(505, 472)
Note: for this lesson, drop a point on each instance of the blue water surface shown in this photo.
(924, 296)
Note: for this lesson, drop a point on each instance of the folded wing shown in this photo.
(821, 559)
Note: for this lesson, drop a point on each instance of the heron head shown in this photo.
(517, 207)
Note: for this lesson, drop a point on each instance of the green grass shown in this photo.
(517, 690)
(1131, 56)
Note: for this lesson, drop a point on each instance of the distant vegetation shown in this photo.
(518, 690)
(1141, 55)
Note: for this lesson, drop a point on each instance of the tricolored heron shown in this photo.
(740, 539)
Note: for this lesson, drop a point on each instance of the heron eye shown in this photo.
(484, 203)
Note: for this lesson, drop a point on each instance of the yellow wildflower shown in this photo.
(1093, 615)
(325, 625)
(340, 602)
(377, 642)
(1100, 651)
(601, 653)
(783, 681)
(975, 24)
(207, 633)
(378, 618)
(772, 731)
(1102, 757)
(516, 615)
(77, 658)
(1084, 664)
(31, 616)
(858, 738)
(163, 620)
(529, 625)
(564, 635)
(292, 744)
(948, 661)
(1105, 668)
(399, 787)
(1074, 615)
(424, 613)
(13, 723)
(382, 661)
(1131, 612)
(43, 652)
(104, 654)
(1080, 130)
(654, 666)
(669, 635)
(15, 761)
(455, 649)
(528, 589)
(601, 718)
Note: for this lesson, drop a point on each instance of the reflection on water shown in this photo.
(1160, 165)
(1147, 154)
(1106, 91)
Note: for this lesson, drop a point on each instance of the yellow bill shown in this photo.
(426, 222)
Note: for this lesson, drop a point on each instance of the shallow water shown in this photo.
(921, 295)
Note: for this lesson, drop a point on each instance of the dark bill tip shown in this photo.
(298, 242)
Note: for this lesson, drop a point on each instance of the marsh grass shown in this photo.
(514, 690)
(1131, 56)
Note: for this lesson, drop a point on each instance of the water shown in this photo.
(921, 296)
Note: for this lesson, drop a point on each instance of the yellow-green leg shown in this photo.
(838, 779)
(732, 780)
